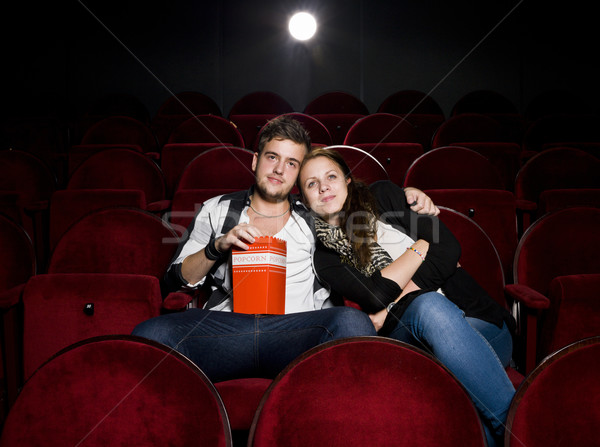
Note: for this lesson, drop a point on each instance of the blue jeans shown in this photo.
(227, 345)
(475, 351)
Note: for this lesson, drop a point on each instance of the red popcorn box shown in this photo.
(259, 277)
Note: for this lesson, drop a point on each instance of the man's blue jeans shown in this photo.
(227, 345)
(475, 351)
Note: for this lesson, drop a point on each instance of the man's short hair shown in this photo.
(284, 128)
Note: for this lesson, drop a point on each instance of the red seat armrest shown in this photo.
(526, 295)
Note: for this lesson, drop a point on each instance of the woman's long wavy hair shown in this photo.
(359, 214)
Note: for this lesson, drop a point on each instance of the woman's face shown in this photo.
(324, 188)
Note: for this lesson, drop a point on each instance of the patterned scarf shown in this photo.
(335, 238)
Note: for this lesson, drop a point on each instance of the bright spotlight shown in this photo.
(302, 26)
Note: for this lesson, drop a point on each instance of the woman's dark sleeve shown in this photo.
(444, 249)
(370, 293)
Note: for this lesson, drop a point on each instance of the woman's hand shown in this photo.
(422, 246)
(378, 319)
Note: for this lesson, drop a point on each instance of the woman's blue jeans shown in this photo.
(475, 351)
(228, 345)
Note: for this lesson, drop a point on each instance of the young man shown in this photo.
(227, 345)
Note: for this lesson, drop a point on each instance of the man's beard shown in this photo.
(279, 195)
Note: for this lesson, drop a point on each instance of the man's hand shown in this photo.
(420, 202)
(239, 236)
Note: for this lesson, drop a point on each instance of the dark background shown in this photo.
(63, 55)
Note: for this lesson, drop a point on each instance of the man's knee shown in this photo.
(351, 322)
(156, 329)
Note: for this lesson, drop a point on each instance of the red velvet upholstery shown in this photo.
(452, 167)
(32, 179)
(118, 391)
(55, 315)
(557, 168)
(78, 153)
(558, 403)
(544, 252)
(251, 112)
(396, 158)
(479, 257)
(122, 169)
(505, 156)
(364, 166)
(9, 206)
(67, 206)
(121, 130)
(116, 240)
(574, 312)
(17, 256)
(261, 102)
(366, 391)
(117, 104)
(425, 126)
(178, 108)
(189, 103)
(176, 156)
(555, 199)
(419, 109)
(467, 127)
(494, 210)
(17, 265)
(222, 167)
(338, 124)
(336, 102)
(591, 147)
(319, 134)
(241, 398)
(380, 128)
(187, 203)
(250, 124)
(26, 174)
(338, 111)
(207, 129)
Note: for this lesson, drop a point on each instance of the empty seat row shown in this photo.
(350, 392)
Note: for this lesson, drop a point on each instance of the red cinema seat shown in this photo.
(453, 167)
(363, 165)
(366, 391)
(207, 129)
(558, 402)
(108, 390)
(540, 257)
(122, 169)
(116, 240)
(121, 130)
(252, 111)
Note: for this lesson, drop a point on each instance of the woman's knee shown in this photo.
(434, 306)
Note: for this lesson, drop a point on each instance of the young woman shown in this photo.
(402, 269)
